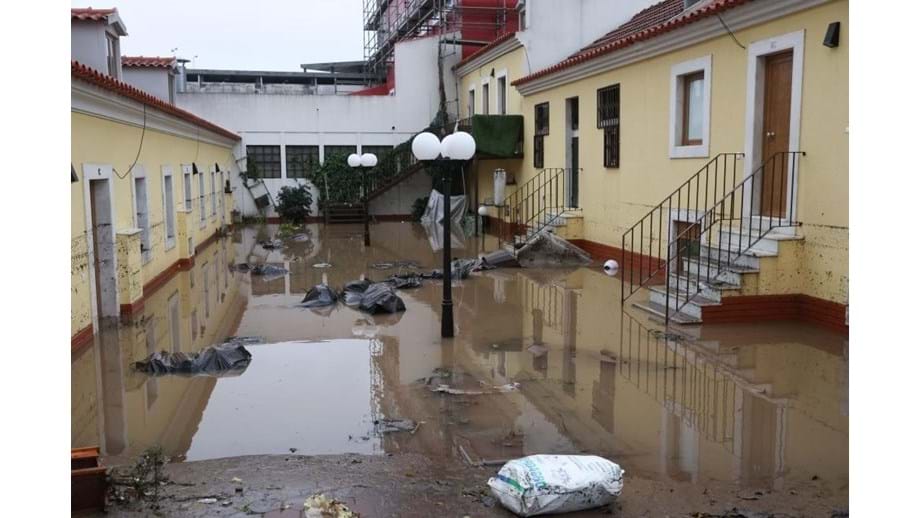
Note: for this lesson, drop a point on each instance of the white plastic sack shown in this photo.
(434, 212)
(543, 484)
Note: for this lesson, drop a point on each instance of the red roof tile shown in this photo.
(496, 42)
(90, 14)
(94, 77)
(658, 19)
(148, 61)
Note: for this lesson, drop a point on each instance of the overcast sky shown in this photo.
(235, 34)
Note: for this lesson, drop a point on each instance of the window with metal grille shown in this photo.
(267, 160)
(608, 119)
(378, 151)
(301, 160)
(340, 151)
(541, 129)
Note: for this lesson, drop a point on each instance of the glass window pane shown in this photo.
(695, 109)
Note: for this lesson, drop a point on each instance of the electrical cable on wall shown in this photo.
(730, 33)
(140, 146)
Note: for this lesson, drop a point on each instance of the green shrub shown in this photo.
(294, 203)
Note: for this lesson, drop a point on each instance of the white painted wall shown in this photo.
(87, 44)
(153, 80)
(266, 119)
(559, 28)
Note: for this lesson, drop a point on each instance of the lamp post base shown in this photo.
(447, 319)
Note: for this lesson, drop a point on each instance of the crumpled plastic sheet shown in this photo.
(390, 425)
(319, 296)
(268, 271)
(353, 291)
(229, 359)
(372, 297)
(405, 282)
(271, 244)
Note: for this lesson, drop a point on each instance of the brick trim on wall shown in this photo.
(81, 339)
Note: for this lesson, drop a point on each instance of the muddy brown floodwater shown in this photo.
(702, 420)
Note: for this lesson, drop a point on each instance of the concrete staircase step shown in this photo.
(659, 294)
(659, 311)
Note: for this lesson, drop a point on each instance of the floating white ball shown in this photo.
(611, 267)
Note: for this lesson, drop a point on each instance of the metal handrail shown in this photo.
(723, 215)
(527, 207)
(714, 179)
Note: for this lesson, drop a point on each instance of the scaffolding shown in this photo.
(387, 22)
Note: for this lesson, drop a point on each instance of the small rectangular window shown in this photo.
(692, 116)
(501, 94)
(485, 99)
(169, 209)
(201, 198)
(608, 119)
(266, 161)
(187, 181)
(213, 193)
(541, 129)
(143, 216)
(471, 107)
(301, 160)
(111, 54)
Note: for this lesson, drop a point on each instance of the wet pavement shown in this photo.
(544, 361)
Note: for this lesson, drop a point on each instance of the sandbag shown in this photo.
(498, 259)
(319, 296)
(217, 360)
(543, 484)
(405, 282)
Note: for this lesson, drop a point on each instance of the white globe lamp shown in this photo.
(483, 210)
(445, 146)
(426, 146)
(368, 160)
(462, 146)
(354, 160)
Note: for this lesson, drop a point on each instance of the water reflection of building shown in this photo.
(123, 411)
(725, 405)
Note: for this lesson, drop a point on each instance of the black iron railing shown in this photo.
(644, 245)
(703, 252)
(534, 205)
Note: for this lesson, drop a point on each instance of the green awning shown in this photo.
(498, 136)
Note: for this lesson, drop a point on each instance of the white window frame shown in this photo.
(213, 193)
(188, 199)
(202, 201)
(167, 210)
(501, 110)
(140, 173)
(675, 107)
(485, 91)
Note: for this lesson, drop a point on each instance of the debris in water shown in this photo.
(236, 480)
(207, 500)
(217, 360)
(405, 282)
(319, 296)
(388, 425)
(320, 506)
(271, 245)
(373, 298)
(300, 238)
(447, 389)
(322, 265)
(549, 250)
(540, 484)
(268, 271)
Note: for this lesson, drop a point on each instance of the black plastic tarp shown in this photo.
(217, 360)
(353, 291)
(319, 296)
(381, 298)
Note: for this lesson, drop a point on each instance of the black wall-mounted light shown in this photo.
(216, 167)
(194, 168)
(832, 36)
(73, 175)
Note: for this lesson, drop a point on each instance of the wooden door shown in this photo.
(777, 105)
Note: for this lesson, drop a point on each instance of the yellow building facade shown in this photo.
(813, 261)
(147, 192)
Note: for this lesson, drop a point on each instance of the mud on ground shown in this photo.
(411, 485)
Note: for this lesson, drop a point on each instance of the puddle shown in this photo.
(760, 405)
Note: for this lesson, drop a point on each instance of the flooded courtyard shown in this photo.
(544, 361)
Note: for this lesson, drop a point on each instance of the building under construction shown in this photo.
(469, 23)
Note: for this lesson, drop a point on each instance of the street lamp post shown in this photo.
(364, 162)
(456, 147)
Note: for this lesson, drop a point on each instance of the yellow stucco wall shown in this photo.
(95, 140)
(614, 199)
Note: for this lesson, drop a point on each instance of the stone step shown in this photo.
(746, 258)
(766, 246)
(711, 290)
(693, 307)
(659, 311)
(723, 272)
